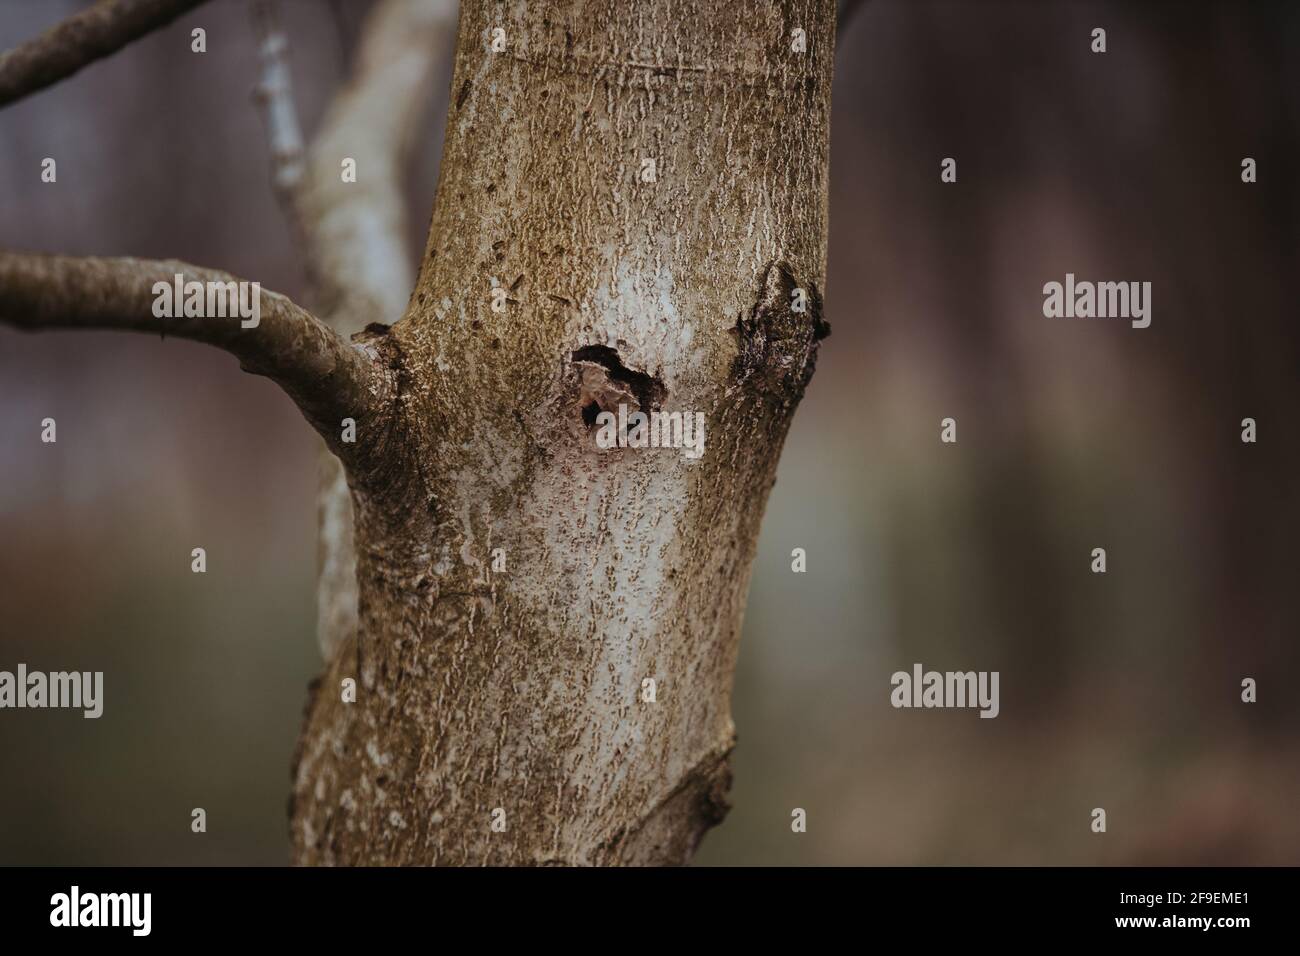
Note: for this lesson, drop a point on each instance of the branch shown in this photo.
(355, 233)
(274, 94)
(81, 40)
(326, 377)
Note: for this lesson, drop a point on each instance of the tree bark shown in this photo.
(500, 715)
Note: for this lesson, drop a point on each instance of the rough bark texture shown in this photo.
(522, 689)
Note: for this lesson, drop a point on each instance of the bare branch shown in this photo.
(328, 378)
(81, 40)
(356, 231)
(274, 94)
(336, 584)
(354, 234)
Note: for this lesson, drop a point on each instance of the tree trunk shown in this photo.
(501, 716)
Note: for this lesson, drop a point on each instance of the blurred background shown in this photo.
(1119, 690)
